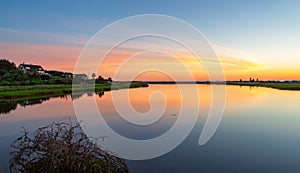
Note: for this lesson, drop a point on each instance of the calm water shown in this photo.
(260, 130)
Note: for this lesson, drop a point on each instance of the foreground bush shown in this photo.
(61, 148)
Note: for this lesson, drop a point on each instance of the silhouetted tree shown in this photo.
(6, 66)
(93, 75)
(55, 73)
(252, 80)
(100, 80)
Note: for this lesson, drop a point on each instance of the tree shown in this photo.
(6, 66)
(55, 73)
(93, 75)
(100, 80)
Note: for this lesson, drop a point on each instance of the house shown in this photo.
(29, 67)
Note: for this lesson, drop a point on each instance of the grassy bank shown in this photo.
(14, 92)
(275, 85)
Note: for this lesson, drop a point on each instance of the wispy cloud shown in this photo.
(50, 56)
(34, 37)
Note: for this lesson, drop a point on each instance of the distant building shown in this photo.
(29, 67)
(68, 75)
(82, 76)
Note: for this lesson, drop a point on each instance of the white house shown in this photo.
(29, 67)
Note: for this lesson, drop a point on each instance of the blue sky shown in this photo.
(216, 19)
(268, 30)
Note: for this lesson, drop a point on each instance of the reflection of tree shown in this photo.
(99, 93)
(7, 106)
(90, 94)
(33, 101)
(77, 95)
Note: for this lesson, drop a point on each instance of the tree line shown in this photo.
(11, 76)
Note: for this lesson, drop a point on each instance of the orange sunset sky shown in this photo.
(237, 65)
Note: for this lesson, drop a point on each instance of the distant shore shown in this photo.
(276, 85)
(281, 85)
(16, 92)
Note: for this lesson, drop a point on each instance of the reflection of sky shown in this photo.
(259, 131)
(31, 118)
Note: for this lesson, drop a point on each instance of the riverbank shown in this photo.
(276, 85)
(15, 92)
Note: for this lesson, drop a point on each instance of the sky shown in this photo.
(258, 39)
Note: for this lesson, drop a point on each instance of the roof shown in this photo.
(32, 67)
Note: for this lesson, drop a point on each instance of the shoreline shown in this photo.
(20, 92)
(29, 91)
(292, 86)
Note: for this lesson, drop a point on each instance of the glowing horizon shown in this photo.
(49, 55)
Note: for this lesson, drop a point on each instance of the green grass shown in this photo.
(280, 86)
(13, 92)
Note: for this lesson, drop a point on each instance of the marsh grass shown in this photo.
(14, 92)
(61, 147)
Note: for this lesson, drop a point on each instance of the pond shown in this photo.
(259, 132)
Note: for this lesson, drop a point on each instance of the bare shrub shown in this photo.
(61, 147)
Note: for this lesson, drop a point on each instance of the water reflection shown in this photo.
(6, 106)
(259, 131)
